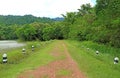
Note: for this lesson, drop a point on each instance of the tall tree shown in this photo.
(27, 32)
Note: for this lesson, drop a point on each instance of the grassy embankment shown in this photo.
(95, 66)
(18, 62)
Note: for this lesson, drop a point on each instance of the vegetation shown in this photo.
(21, 20)
(63, 72)
(99, 24)
(97, 28)
(18, 62)
(94, 66)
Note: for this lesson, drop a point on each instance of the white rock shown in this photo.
(97, 52)
(32, 46)
(4, 55)
(116, 60)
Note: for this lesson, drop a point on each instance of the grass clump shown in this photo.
(63, 72)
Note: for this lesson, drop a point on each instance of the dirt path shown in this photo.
(62, 68)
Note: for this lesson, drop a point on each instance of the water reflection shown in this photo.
(5, 44)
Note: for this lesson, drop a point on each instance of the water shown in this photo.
(6, 44)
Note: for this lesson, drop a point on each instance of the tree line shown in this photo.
(100, 24)
(21, 20)
(28, 28)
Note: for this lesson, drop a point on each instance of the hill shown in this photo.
(21, 20)
(58, 19)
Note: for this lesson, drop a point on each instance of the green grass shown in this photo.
(94, 66)
(63, 72)
(18, 62)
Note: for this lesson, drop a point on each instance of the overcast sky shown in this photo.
(41, 8)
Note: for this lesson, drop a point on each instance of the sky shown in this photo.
(41, 8)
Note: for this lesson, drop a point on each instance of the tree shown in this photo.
(85, 9)
(58, 30)
(39, 29)
(27, 32)
(48, 33)
(70, 17)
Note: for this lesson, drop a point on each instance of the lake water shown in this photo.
(6, 44)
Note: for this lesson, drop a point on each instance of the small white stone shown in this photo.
(88, 48)
(23, 49)
(4, 55)
(4, 58)
(116, 59)
(97, 52)
(32, 46)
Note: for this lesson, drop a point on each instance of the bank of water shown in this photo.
(7, 44)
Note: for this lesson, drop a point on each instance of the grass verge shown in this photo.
(18, 62)
(94, 66)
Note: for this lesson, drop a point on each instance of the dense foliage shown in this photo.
(21, 20)
(100, 24)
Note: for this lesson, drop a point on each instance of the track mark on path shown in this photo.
(61, 68)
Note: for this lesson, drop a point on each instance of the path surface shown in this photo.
(61, 68)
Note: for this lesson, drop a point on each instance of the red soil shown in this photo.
(52, 69)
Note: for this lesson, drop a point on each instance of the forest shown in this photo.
(100, 24)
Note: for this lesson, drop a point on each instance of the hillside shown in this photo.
(21, 20)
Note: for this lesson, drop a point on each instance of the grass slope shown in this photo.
(95, 66)
(18, 62)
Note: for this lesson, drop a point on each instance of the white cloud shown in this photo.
(48, 8)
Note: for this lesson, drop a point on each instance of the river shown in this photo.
(6, 44)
